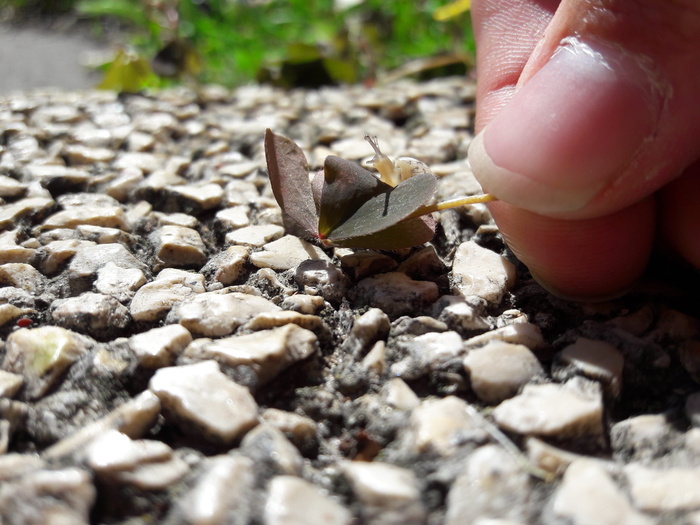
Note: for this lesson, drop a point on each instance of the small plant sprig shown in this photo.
(347, 206)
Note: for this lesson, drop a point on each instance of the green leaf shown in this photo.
(346, 187)
(405, 234)
(386, 209)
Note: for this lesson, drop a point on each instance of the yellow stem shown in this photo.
(454, 203)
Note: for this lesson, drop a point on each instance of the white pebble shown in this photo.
(395, 293)
(215, 314)
(597, 360)
(291, 498)
(493, 486)
(285, 253)
(155, 299)
(499, 370)
(159, 347)
(200, 397)
(267, 353)
(664, 490)
(570, 410)
(479, 272)
(390, 494)
(589, 495)
(438, 426)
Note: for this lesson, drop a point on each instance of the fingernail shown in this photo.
(570, 131)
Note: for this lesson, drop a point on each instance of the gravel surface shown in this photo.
(171, 355)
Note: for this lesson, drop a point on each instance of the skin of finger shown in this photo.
(587, 259)
(549, 256)
(666, 37)
(680, 215)
(507, 34)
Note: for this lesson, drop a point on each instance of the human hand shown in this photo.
(589, 113)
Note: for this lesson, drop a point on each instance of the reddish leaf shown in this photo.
(346, 188)
(289, 177)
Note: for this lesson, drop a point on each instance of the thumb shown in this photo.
(605, 111)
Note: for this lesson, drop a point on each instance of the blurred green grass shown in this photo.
(289, 43)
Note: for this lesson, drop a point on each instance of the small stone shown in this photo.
(79, 154)
(11, 213)
(364, 264)
(223, 410)
(570, 410)
(428, 352)
(10, 383)
(425, 263)
(285, 253)
(526, 334)
(367, 329)
(155, 299)
(275, 318)
(271, 451)
(160, 347)
(492, 486)
(299, 429)
(11, 188)
(133, 418)
(499, 370)
(106, 216)
(102, 235)
(664, 490)
(155, 476)
(57, 253)
(146, 162)
(228, 266)
(482, 273)
(459, 315)
(42, 355)
(642, 437)
(87, 262)
(395, 293)
(225, 488)
(138, 141)
(390, 495)
(52, 173)
(596, 360)
(319, 277)
(399, 395)
(586, 482)
(176, 219)
(548, 457)
(94, 313)
(200, 198)
(48, 496)
(113, 452)
(177, 246)
(375, 360)
(255, 235)
(439, 426)
(125, 184)
(11, 252)
(267, 353)
(214, 314)
(304, 304)
(10, 312)
(233, 218)
(290, 499)
(23, 276)
(120, 283)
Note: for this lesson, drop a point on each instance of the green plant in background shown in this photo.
(289, 43)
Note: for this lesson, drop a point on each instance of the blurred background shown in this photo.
(130, 45)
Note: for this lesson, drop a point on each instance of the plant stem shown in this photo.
(453, 203)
